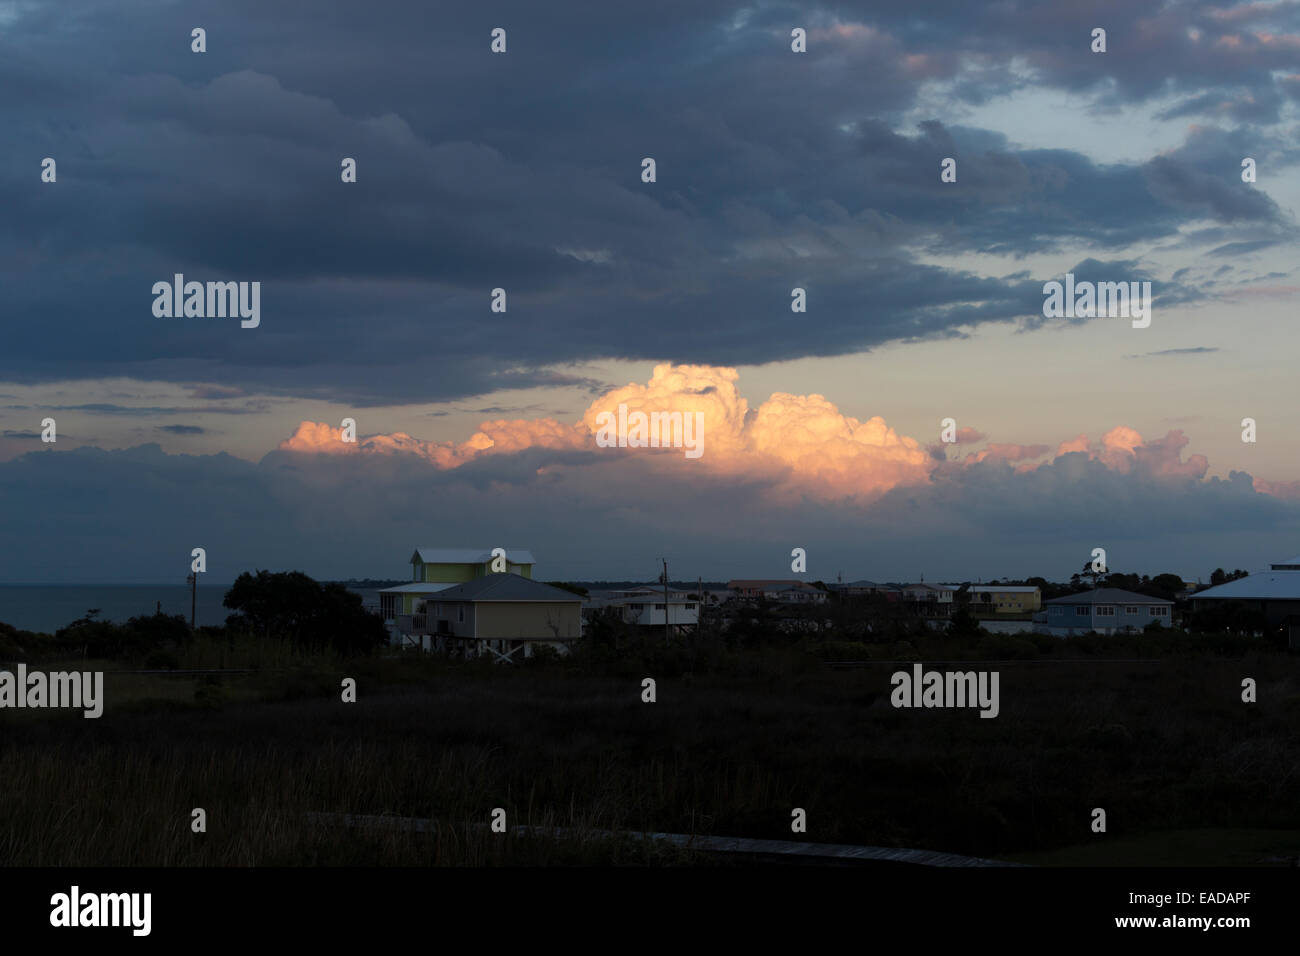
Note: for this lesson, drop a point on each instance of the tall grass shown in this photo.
(1161, 746)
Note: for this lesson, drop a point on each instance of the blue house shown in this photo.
(1106, 611)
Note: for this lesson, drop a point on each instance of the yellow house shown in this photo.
(1007, 599)
(436, 569)
(504, 614)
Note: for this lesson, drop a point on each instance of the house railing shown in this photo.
(411, 623)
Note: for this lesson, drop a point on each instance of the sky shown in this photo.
(522, 170)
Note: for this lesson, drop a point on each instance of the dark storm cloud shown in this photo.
(284, 512)
(522, 172)
(182, 429)
(1198, 350)
(1240, 248)
(129, 411)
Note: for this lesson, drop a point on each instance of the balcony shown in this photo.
(412, 623)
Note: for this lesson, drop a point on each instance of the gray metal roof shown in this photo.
(469, 555)
(1260, 586)
(1108, 596)
(507, 587)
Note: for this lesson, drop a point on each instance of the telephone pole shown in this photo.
(193, 582)
(699, 606)
(667, 636)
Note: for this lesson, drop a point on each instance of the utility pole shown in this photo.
(193, 582)
(699, 604)
(667, 637)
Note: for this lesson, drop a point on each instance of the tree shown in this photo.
(568, 586)
(1165, 586)
(963, 624)
(292, 606)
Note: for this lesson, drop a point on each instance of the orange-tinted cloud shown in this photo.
(1075, 444)
(1009, 452)
(800, 441)
(796, 444)
(1287, 490)
(1123, 449)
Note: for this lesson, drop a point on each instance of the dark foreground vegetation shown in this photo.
(748, 725)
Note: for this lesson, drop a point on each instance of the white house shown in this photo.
(647, 607)
(934, 593)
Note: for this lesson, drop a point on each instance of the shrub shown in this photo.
(845, 651)
(543, 655)
(161, 661)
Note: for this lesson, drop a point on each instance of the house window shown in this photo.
(660, 607)
(1159, 611)
(1131, 609)
(1081, 610)
(690, 607)
(1105, 610)
(460, 614)
(637, 607)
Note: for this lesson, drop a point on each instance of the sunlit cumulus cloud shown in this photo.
(802, 443)
(1008, 452)
(1124, 450)
(502, 436)
(1289, 490)
(797, 445)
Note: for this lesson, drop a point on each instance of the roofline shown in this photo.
(577, 599)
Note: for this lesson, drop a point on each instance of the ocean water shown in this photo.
(48, 607)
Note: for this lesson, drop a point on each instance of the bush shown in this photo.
(161, 661)
(543, 655)
(210, 692)
(906, 651)
(1007, 647)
